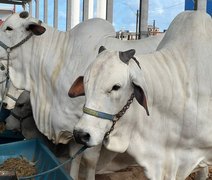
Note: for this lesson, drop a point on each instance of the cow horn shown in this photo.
(24, 14)
(126, 55)
(102, 48)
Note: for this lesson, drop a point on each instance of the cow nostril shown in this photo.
(81, 137)
(85, 137)
(4, 104)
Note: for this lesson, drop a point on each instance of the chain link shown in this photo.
(120, 114)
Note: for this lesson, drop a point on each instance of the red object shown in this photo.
(1, 22)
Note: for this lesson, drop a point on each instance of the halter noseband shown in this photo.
(111, 117)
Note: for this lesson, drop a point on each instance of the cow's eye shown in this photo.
(116, 87)
(9, 28)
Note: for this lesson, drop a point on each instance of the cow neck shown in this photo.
(158, 75)
(8, 50)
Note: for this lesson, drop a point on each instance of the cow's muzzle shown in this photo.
(81, 137)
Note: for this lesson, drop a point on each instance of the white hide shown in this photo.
(48, 64)
(177, 79)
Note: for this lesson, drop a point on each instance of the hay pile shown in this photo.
(20, 165)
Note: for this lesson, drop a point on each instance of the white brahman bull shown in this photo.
(45, 65)
(160, 104)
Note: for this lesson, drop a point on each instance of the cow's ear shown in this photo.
(36, 29)
(140, 97)
(77, 88)
(139, 84)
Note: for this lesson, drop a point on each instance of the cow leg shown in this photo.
(202, 174)
(89, 163)
(75, 164)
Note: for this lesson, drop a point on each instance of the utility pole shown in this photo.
(195, 4)
(153, 27)
(137, 20)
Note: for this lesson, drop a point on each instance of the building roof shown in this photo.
(18, 2)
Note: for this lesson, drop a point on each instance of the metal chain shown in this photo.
(120, 114)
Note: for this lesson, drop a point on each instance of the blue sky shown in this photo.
(124, 17)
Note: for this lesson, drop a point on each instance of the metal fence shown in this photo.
(73, 8)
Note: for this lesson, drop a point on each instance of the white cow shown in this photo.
(42, 64)
(44, 61)
(45, 65)
(168, 125)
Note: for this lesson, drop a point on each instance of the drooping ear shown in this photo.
(102, 48)
(126, 55)
(77, 88)
(139, 84)
(36, 29)
(140, 97)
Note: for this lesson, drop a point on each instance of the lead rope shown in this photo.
(57, 167)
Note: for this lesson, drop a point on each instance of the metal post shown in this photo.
(75, 12)
(137, 20)
(109, 12)
(101, 9)
(55, 13)
(46, 11)
(37, 9)
(87, 9)
(30, 8)
(68, 15)
(139, 26)
(195, 5)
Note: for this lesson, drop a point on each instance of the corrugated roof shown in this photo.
(18, 2)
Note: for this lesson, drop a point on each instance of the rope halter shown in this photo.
(8, 50)
(111, 117)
